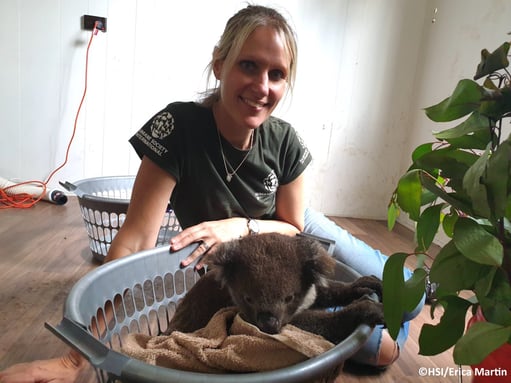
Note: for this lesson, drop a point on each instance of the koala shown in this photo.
(275, 279)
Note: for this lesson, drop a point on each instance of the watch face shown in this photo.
(253, 227)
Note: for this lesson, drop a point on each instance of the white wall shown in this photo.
(360, 123)
(366, 68)
(450, 51)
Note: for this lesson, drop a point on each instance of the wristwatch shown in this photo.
(253, 226)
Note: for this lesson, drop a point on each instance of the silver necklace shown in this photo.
(229, 175)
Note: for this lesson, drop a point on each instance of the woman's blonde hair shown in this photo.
(236, 32)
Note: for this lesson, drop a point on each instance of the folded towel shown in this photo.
(226, 344)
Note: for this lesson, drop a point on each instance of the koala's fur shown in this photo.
(275, 279)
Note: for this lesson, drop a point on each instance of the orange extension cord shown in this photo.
(24, 200)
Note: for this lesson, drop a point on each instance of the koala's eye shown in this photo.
(248, 299)
(289, 299)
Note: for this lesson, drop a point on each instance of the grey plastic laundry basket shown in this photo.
(103, 205)
(143, 290)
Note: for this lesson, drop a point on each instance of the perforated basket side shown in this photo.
(141, 282)
(103, 206)
(102, 220)
(169, 227)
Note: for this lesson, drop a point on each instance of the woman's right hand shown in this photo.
(209, 234)
(59, 370)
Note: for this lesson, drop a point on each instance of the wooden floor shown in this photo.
(44, 251)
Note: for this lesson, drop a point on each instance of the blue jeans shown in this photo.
(367, 261)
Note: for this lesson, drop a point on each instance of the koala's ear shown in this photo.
(224, 262)
(318, 264)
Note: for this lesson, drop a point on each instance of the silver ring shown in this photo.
(206, 246)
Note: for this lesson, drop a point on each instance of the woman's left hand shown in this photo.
(209, 234)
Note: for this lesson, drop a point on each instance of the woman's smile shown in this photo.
(255, 104)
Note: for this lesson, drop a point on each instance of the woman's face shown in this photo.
(251, 89)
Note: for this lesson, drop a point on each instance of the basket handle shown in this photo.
(94, 351)
(80, 194)
(71, 187)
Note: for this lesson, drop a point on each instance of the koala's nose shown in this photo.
(268, 323)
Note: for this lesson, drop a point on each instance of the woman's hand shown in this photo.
(58, 370)
(209, 234)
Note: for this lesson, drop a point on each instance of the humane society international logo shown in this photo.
(162, 125)
(271, 182)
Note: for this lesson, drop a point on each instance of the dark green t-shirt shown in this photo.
(183, 140)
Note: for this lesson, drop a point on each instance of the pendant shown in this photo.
(228, 178)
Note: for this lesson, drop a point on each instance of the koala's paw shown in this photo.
(368, 311)
(366, 286)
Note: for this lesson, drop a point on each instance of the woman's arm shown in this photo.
(290, 204)
(150, 197)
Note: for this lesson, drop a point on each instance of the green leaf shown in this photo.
(456, 200)
(427, 197)
(394, 291)
(474, 187)
(477, 140)
(491, 62)
(484, 284)
(477, 244)
(409, 190)
(496, 179)
(496, 312)
(496, 103)
(495, 300)
(435, 339)
(475, 123)
(448, 260)
(392, 214)
(414, 289)
(427, 226)
(421, 150)
(452, 162)
(464, 100)
(481, 339)
(448, 223)
(507, 228)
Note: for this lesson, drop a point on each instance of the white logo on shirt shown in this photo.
(163, 125)
(271, 182)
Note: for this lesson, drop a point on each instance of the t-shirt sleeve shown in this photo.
(295, 156)
(160, 140)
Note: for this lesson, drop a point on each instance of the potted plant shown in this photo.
(461, 183)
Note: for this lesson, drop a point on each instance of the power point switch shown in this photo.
(88, 22)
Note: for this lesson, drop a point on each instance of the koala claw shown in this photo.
(373, 297)
(371, 312)
(368, 285)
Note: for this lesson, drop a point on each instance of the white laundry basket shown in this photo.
(103, 205)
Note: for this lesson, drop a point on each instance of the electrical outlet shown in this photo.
(88, 22)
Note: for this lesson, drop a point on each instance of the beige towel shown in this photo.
(226, 344)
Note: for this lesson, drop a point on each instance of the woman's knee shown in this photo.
(388, 352)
